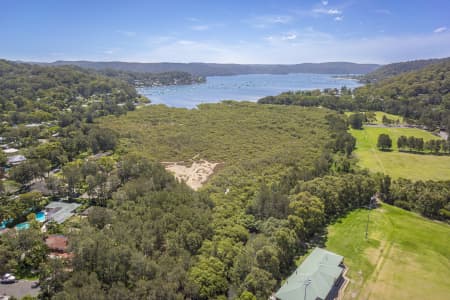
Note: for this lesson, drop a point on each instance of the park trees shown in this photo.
(434, 146)
(402, 142)
(356, 120)
(384, 142)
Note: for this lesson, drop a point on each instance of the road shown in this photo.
(19, 289)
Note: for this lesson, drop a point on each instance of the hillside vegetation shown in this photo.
(257, 220)
(421, 96)
(395, 69)
(214, 69)
(230, 132)
(34, 94)
(405, 257)
(284, 173)
(152, 79)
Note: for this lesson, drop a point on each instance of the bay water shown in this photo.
(241, 87)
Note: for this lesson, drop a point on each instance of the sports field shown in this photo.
(399, 164)
(405, 257)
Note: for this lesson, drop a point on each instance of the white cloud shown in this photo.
(307, 45)
(126, 33)
(339, 18)
(301, 45)
(200, 27)
(268, 20)
(331, 11)
(324, 2)
(306, 34)
(289, 37)
(440, 29)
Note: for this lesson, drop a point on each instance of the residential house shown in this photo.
(58, 245)
(16, 160)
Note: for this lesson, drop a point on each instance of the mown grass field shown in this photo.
(379, 117)
(405, 257)
(399, 164)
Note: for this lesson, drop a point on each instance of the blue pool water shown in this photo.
(21, 226)
(4, 223)
(40, 217)
(241, 87)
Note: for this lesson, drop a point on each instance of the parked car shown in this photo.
(35, 284)
(8, 278)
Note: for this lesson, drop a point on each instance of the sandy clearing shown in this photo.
(195, 175)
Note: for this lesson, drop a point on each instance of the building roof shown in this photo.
(59, 211)
(15, 159)
(314, 278)
(87, 211)
(10, 150)
(56, 242)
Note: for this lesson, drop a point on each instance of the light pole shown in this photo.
(367, 225)
(372, 200)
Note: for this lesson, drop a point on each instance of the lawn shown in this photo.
(379, 117)
(405, 257)
(380, 114)
(399, 164)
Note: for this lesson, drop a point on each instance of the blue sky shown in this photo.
(229, 31)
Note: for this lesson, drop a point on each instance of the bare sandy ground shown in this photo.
(194, 175)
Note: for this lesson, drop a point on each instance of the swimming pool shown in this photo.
(4, 223)
(24, 225)
(40, 217)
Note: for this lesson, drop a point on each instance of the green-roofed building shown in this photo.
(319, 277)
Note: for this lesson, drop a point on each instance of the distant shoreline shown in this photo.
(249, 87)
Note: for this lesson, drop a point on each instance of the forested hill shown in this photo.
(153, 79)
(422, 96)
(394, 69)
(33, 94)
(212, 69)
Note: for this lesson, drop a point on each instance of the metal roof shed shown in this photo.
(318, 277)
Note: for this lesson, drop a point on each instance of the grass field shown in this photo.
(380, 114)
(405, 257)
(399, 164)
(379, 117)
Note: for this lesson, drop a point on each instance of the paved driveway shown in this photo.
(19, 289)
